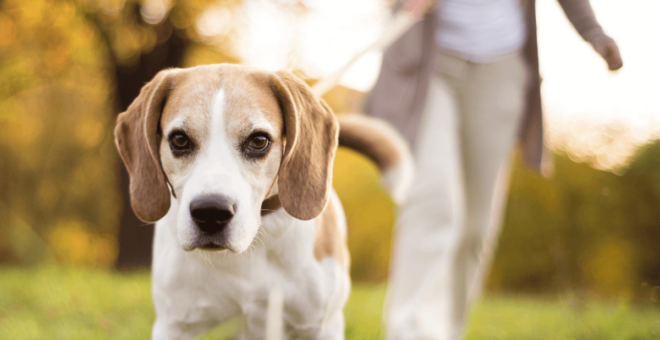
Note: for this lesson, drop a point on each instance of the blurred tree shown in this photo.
(62, 62)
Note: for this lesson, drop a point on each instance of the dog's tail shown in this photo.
(380, 142)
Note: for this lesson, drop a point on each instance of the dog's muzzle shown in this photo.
(212, 214)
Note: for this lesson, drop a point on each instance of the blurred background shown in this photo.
(591, 232)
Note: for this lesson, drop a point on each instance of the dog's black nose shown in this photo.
(211, 213)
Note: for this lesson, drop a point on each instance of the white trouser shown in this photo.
(466, 133)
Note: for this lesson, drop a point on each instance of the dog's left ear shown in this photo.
(305, 176)
(136, 137)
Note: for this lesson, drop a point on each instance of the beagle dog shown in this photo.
(235, 165)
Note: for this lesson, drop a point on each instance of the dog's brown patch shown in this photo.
(329, 241)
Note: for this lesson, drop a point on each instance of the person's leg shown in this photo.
(491, 99)
(418, 306)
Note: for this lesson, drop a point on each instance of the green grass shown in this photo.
(68, 303)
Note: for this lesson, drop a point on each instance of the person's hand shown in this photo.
(418, 8)
(607, 48)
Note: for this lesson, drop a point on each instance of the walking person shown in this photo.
(462, 85)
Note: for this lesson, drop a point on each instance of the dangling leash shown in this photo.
(409, 14)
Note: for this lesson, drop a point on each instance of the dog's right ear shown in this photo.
(305, 177)
(136, 137)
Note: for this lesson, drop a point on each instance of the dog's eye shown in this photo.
(259, 142)
(257, 145)
(180, 143)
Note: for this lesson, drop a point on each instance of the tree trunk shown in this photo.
(136, 237)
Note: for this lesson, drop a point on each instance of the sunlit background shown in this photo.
(589, 233)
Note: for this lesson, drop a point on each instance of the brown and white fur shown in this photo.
(235, 220)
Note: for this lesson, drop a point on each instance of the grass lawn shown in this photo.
(58, 303)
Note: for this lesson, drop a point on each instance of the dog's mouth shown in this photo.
(208, 243)
(212, 247)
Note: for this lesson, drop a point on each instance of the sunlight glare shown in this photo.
(318, 42)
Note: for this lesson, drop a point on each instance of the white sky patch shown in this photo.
(596, 115)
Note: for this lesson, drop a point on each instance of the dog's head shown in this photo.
(211, 143)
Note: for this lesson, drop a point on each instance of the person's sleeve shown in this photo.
(581, 15)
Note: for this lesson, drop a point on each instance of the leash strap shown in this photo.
(410, 13)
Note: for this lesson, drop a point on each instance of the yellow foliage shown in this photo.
(369, 214)
(47, 194)
(25, 132)
(26, 244)
(72, 243)
(6, 30)
(90, 133)
(608, 268)
(202, 54)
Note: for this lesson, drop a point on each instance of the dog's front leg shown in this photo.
(332, 330)
(255, 317)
